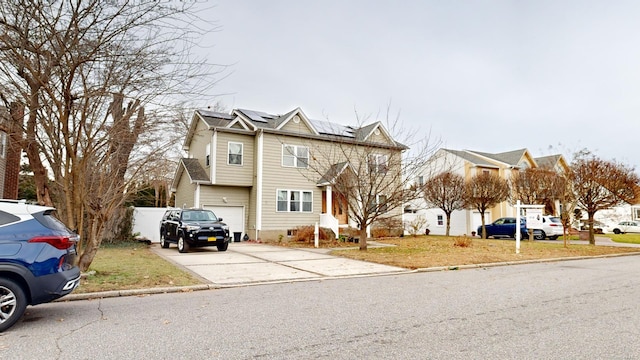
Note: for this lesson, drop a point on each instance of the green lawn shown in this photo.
(628, 238)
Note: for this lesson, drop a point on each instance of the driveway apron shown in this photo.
(249, 263)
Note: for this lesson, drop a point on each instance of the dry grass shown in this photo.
(431, 251)
(131, 267)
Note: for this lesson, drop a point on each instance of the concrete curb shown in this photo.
(200, 287)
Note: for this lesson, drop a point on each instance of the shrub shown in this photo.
(385, 227)
(462, 241)
(307, 233)
(413, 227)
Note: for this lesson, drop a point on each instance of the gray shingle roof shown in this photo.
(194, 170)
(471, 157)
(510, 157)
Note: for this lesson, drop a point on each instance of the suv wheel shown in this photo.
(539, 236)
(223, 247)
(163, 242)
(13, 302)
(183, 245)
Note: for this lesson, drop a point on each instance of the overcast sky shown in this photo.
(493, 76)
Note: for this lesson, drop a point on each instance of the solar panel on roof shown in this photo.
(215, 114)
(325, 127)
(256, 115)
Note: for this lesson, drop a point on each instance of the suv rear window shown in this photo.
(6, 218)
(47, 219)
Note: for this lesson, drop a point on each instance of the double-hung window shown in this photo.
(378, 204)
(295, 156)
(378, 164)
(235, 153)
(295, 201)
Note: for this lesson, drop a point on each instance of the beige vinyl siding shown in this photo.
(236, 175)
(379, 138)
(299, 128)
(235, 196)
(185, 192)
(276, 177)
(199, 142)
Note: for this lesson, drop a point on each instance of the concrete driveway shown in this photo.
(251, 263)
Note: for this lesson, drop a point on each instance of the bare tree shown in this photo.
(537, 186)
(373, 176)
(484, 191)
(601, 184)
(91, 74)
(447, 192)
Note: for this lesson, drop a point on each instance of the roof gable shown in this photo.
(297, 117)
(194, 171)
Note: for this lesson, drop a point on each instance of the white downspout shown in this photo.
(213, 156)
(259, 168)
(196, 196)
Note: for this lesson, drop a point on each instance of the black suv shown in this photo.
(37, 254)
(193, 228)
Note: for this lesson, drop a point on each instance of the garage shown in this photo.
(231, 215)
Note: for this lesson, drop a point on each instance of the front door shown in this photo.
(338, 207)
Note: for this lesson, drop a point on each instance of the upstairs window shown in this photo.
(378, 164)
(207, 159)
(440, 220)
(295, 156)
(235, 153)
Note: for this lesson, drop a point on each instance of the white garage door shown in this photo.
(477, 219)
(231, 215)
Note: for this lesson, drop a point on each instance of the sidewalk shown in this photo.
(600, 241)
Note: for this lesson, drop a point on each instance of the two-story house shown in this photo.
(266, 174)
(469, 163)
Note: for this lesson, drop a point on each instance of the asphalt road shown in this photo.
(583, 309)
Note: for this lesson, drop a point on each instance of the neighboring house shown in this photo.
(469, 163)
(10, 150)
(265, 175)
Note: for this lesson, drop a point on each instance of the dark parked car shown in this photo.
(193, 228)
(37, 254)
(506, 227)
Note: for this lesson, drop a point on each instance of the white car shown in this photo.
(551, 228)
(625, 227)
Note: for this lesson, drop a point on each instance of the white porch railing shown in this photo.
(330, 222)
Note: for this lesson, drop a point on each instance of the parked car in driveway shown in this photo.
(193, 228)
(625, 227)
(506, 227)
(551, 228)
(37, 254)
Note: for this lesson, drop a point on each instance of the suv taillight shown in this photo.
(58, 242)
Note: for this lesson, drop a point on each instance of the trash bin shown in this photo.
(237, 236)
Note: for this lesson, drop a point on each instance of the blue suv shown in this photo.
(37, 254)
(506, 227)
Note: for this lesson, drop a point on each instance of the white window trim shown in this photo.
(438, 217)
(376, 166)
(241, 152)
(288, 198)
(296, 159)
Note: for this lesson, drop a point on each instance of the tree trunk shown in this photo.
(363, 238)
(592, 236)
(448, 228)
(92, 244)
